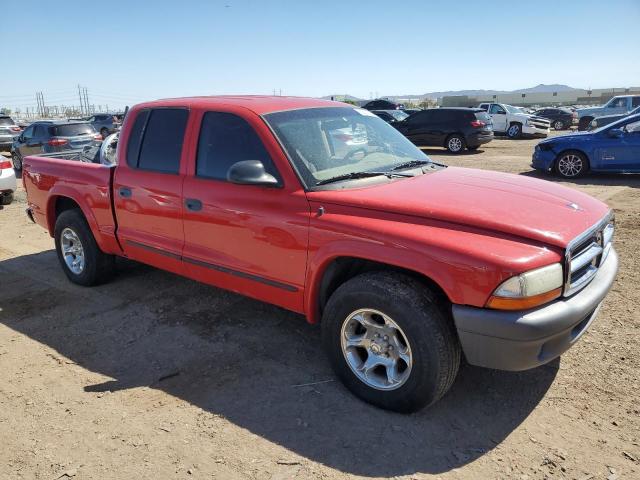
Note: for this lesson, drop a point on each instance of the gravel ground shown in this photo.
(155, 376)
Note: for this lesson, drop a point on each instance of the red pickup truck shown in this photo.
(326, 210)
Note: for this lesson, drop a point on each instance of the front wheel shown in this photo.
(558, 125)
(455, 143)
(82, 260)
(390, 341)
(514, 130)
(571, 164)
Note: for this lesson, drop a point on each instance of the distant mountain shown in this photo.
(542, 88)
(471, 93)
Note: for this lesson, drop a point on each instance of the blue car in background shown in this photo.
(613, 148)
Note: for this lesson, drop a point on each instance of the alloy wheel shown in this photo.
(72, 251)
(570, 165)
(376, 349)
(455, 144)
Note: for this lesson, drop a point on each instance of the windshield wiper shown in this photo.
(356, 175)
(412, 163)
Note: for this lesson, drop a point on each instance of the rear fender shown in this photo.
(105, 237)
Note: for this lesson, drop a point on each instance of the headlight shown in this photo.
(528, 289)
(528, 123)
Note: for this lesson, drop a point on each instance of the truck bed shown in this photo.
(89, 185)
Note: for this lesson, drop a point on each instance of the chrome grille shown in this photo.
(586, 253)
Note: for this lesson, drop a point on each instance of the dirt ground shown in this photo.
(155, 376)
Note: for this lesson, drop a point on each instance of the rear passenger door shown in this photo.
(147, 188)
(417, 127)
(247, 238)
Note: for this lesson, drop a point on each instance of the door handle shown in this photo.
(193, 204)
(125, 192)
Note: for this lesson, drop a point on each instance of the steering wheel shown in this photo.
(352, 153)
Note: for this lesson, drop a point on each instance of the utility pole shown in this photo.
(86, 100)
(80, 95)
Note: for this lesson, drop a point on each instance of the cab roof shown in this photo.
(259, 104)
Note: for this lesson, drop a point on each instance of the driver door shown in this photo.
(246, 238)
(621, 153)
(498, 117)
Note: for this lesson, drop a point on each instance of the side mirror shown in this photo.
(616, 133)
(250, 172)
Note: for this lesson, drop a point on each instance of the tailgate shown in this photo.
(47, 180)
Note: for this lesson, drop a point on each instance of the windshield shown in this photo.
(512, 109)
(398, 114)
(617, 124)
(328, 142)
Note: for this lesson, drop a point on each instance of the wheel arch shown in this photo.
(341, 269)
(60, 201)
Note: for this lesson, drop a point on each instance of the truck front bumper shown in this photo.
(519, 340)
(534, 131)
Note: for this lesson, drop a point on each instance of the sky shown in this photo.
(125, 52)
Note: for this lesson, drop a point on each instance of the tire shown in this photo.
(571, 164)
(455, 143)
(583, 123)
(104, 132)
(6, 199)
(16, 159)
(514, 131)
(473, 149)
(97, 267)
(558, 125)
(430, 342)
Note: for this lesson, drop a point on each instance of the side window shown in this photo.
(635, 102)
(40, 131)
(420, 118)
(496, 109)
(28, 133)
(225, 139)
(162, 140)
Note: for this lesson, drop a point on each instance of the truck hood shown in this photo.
(499, 202)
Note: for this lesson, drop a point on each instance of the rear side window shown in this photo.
(135, 138)
(483, 117)
(40, 131)
(224, 140)
(420, 118)
(635, 102)
(162, 139)
(72, 129)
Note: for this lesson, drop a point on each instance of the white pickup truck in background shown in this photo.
(513, 122)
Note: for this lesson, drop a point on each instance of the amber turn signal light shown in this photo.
(523, 303)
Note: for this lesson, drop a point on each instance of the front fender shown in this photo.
(467, 264)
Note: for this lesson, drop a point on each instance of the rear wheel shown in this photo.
(558, 125)
(514, 130)
(82, 260)
(6, 199)
(16, 159)
(455, 143)
(390, 342)
(571, 164)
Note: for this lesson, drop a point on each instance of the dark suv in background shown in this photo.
(452, 128)
(50, 137)
(560, 118)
